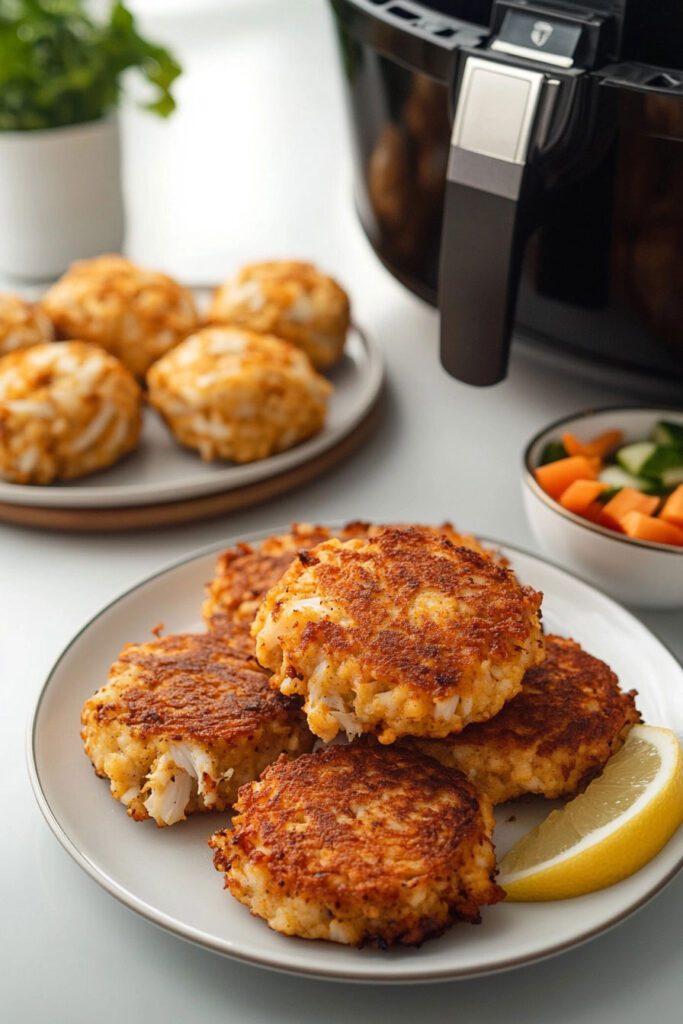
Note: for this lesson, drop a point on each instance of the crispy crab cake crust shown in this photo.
(184, 721)
(553, 737)
(360, 844)
(245, 573)
(403, 634)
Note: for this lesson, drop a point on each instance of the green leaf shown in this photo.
(59, 65)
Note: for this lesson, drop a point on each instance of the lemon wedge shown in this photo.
(609, 831)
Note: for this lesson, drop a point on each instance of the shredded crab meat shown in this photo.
(197, 763)
(94, 429)
(170, 788)
(175, 776)
(445, 709)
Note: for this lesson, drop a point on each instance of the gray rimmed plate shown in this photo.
(161, 471)
(167, 874)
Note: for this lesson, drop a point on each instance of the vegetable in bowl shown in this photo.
(635, 489)
(61, 66)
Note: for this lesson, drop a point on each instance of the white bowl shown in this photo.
(637, 572)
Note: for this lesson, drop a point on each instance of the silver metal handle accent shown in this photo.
(496, 110)
(501, 115)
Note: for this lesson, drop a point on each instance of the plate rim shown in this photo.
(189, 933)
(92, 498)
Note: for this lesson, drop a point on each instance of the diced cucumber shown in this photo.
(672, 477)
(668, 433)
(663, 465)
(553, 451)
(632, 457)
(616, 478)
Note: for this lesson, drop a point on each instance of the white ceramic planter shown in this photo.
(60, 197)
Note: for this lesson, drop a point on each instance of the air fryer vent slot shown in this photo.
(663, 81)
(401, 12)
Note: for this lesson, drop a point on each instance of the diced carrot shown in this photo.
(628, 499)
(555, 477)
(605, 443)
(643, 527)
(611, 524)
(581, 494)
(592, 512)
(572, 445)
(673, 507)
(598, 447)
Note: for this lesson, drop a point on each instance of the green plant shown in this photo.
(59, 65)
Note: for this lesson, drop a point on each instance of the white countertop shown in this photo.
(256, 164)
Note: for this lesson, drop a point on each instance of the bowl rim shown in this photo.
(530, 480)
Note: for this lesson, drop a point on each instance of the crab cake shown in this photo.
(244, 574)
(183, 722)
(401, 634)
(22, 324)
(293, 300)
(553, 737)
(360, 844)
(66, 409)
(135, 314)
(233, 394)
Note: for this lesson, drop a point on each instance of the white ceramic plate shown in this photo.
(161, 471)
(167, 874)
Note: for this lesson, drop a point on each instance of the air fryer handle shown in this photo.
(481, 257)
(487, 214)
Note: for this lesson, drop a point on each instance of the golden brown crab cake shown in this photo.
(403, 634)
(233, 394)
(184, 721)
(290, 299)
(360, 844)
(66, 409)
(553, 737)
(22, 324)
(136, 314)
(245, 573)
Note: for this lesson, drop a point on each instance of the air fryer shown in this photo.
(521, 165)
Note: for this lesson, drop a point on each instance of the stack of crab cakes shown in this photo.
(408, 637)
(184, 720)
(421, 649)
(396, 631)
